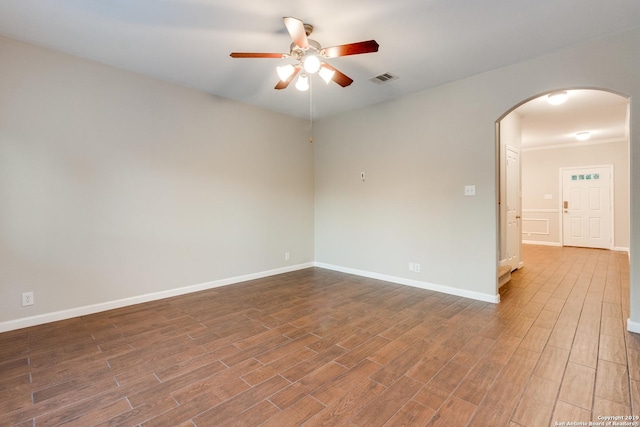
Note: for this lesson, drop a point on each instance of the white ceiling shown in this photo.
(424, 42)
(603, 114)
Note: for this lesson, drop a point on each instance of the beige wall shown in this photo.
(541, 175)
(115, 185)
(418, 154)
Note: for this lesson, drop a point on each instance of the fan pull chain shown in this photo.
(311, 111)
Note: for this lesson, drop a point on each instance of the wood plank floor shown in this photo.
(316, 347)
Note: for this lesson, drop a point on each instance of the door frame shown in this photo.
(518, 214)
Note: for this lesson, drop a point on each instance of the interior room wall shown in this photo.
(115, 186)
(541, 176)
(419, 152)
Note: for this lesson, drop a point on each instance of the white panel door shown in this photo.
(587, 207)
(513, 199)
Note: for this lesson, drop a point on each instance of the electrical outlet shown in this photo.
(27, 299)
(416, 267)
(286, 256)
(411, 266)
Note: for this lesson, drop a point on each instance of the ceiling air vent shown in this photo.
(383, 78)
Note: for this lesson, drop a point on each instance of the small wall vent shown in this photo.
(383, 78)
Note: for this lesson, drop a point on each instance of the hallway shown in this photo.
(572, 305)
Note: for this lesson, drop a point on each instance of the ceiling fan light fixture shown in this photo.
(557, 98)
(311, 63)
(285, 71)
(308, 55)
(583, 136)
(302, 84)
(326, 74)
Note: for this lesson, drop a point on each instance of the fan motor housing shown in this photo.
(298, 52)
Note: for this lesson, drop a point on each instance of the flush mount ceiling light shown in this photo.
(557, 98)
(583, 136)
(310, 56)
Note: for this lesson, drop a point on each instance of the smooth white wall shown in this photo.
(115, 185)
(541, 175)
(420, 151)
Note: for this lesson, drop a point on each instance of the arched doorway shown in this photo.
(537, 145)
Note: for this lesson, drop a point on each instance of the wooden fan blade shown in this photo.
(283, 85)
(350, 49)
(257, 55)
(338, 77)
(296, 30)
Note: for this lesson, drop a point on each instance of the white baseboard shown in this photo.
(536, 242)
(633, 326)
(25, 322)
(415, 283)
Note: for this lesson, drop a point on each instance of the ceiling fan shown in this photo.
(310, 57)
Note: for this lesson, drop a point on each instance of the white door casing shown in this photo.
(514, 201)
(587, 206)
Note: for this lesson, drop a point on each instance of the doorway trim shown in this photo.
(514, 261)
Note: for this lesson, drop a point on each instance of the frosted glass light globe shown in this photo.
(311, 64)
